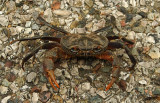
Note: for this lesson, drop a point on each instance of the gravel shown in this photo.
(138, 21)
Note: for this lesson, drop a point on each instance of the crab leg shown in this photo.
(113, 45)
(51, 57)
(115, 71)
(35, 38)
(43, 46)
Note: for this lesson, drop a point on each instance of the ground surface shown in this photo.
(137, 20)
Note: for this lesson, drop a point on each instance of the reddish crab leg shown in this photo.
(115, 71)
(49, 64)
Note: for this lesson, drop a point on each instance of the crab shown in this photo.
(78, 45)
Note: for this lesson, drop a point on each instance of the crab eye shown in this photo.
(97, 49)
(74, 49)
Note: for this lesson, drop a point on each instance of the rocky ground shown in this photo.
(137, 20)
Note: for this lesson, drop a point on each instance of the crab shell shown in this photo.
(84, 44)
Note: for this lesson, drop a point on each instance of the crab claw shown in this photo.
(110, 84)
(52, 79)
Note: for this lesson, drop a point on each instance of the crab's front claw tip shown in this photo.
(108, 87)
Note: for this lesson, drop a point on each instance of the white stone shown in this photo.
(28, 24)
(80, 30)
(86, 86)
(31, 76)
(3, 89)
(142, 82)
(150, 39)
(133, 2)
(13, 87)
(25, 7)
(63, 89)
(101, 93)
(64, 64)
(48, 15)
(58, 72)
(142, 2)
(131, 35)
(35, 97)
(27, 31)
(100, 4)
(158, 30)
(62, 12)
(67, 75)
(74, 71)
(4, 20)
(5, 99)
(124, 4)
(19, 29)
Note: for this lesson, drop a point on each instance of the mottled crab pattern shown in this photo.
(78, 45)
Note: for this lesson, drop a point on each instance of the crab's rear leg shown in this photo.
(115, 71)
(50, 58)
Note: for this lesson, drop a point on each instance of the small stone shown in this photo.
(139, 29)
(25, 7)
(124, 3)
(28, 31)
(154, 23)
(5, 99)
(80, 30)
(131, 35)
(45, 96)
(44, 88)
(67, 75)
(101, 93)
(35, 27)
(64, 65)
(63, 89)
(142, 2)
(158, 30)
(74, 71)
(74, 24)
(62, 12)
(154, 53)
(28, 24)
(35, 98)
(4, 20)
(99, 4)
(95, 99)
(6, 82)
(142, 82)
(58, 72)
(156, 91)
(13, 87)
(157, 70)
(86, 86)
(140, 89)
(151, 16)
(31, 76)
(89, 3)
(11, 6)
(143, 14)
(3, 90)
(150, 39)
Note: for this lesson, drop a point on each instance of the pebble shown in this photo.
(3, 90)
(95, 99)
(27, 31)
(4, 20)
(156, 91)
(63, 90)
(28, 24)
(74, 71)
(86, 86)
(89, 3)
(154, 53)
(157, 70)
(35, 27)
(131, 35)
(31, 76)
(5, 82)
(14, 87)
(143, 82)
(101, 93)
(62, 12)
(5, 99)
(35, 97)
